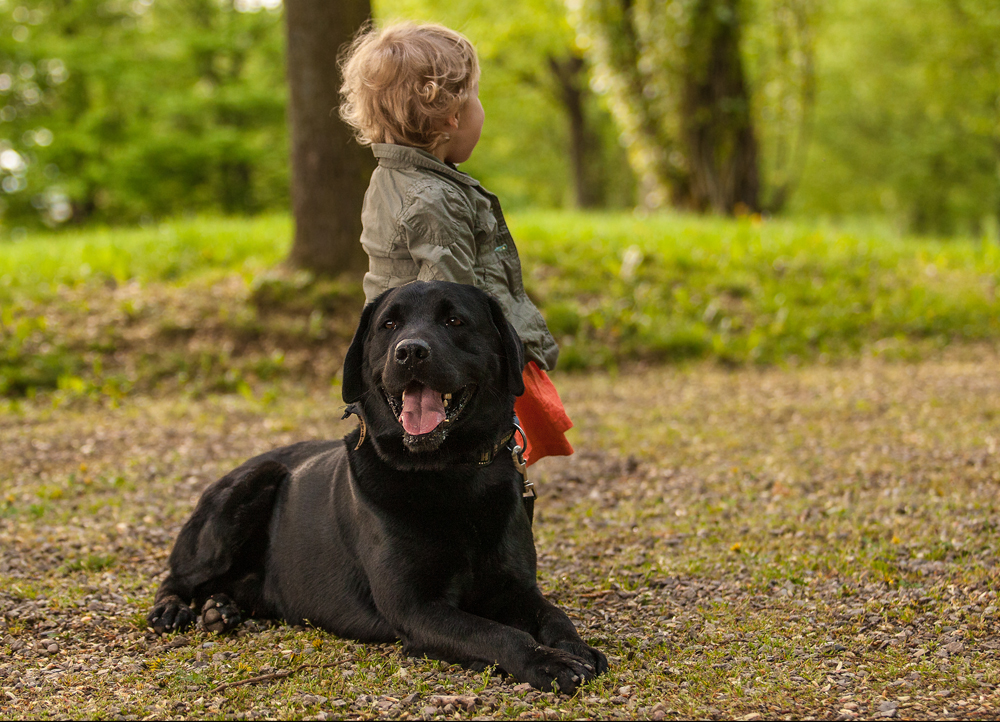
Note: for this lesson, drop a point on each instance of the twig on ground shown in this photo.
(598, 593)
(278, 675)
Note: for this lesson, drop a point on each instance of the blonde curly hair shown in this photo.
(402, 81)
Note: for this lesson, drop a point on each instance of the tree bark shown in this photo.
(718, 128)
(583, 143)
(794, 36)
(662, 174)
(330, 171)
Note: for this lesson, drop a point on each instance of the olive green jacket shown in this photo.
(425, 220)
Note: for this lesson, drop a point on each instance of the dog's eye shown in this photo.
(453, 321)
(390, 324)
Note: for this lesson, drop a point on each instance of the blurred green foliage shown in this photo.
(713, 96)
(908, 115)
(125, 111)
(115, 112)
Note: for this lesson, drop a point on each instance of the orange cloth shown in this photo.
(542, 416)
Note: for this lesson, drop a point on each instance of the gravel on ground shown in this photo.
(816, 541)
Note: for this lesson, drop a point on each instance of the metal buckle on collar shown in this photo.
(517, 454)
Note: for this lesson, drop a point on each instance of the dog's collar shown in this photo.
(485, 459)
(353, 409)
(517, 454)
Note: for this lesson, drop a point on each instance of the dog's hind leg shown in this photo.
(219, 553)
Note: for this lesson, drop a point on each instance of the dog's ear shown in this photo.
(513, 350)
(353, 386)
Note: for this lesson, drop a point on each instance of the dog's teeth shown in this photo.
(447, 397)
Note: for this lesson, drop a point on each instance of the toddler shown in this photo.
(411, 92)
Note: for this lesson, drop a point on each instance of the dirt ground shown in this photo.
(782, 543)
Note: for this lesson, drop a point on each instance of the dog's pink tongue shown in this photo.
(423, 410)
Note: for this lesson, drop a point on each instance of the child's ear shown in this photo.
(446, 125)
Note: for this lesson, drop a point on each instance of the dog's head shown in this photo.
(434, 369)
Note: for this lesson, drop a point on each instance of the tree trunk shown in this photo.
(660, 176)
(718, 128)
(583, 143)
(330, 171)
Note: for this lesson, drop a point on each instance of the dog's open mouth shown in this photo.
(426, 415)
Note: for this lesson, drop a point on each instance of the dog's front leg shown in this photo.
(439, 630)
(556, 630)
(170, 611)
(543, 620)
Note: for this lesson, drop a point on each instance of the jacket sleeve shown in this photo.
(437, 226)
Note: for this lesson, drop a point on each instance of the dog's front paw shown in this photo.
(170, 615)
(220, 614)
(588, 654)
(550, 669)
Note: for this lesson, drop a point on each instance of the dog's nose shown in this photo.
(411, 351)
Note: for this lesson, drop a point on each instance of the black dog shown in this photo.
(412, 527)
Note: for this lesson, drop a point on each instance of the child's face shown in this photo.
(470, 125)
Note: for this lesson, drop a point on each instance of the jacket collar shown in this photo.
(392, 155)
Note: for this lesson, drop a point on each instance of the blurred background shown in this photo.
(119, 112)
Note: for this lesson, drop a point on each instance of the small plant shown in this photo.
(91, 563)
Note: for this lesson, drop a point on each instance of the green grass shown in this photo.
(669, 287)
(614, 288)
(174, 252)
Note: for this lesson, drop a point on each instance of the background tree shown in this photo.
(330, 171)
(676, 78)
(716, 126)
(779, 47)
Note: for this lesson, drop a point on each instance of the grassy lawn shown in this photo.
(82, 312)
(800, 520)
